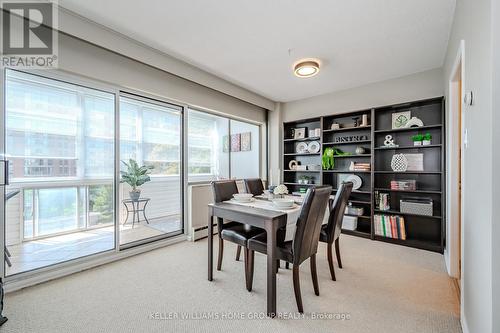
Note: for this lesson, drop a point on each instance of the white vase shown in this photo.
(417, 143)
(426, 142)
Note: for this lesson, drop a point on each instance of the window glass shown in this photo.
(208, 157)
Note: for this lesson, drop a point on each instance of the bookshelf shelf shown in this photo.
(346, 143)
(395, 212)
(421, 128)
(409, 147)
(359, 128)
(422, 232)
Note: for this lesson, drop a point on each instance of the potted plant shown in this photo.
(327, 160)
(304, 180)
(427, 138)
(135, 176)
(417, 139)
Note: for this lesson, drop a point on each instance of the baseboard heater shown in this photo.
(201, 232)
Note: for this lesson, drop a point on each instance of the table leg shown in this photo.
(210, 246)
(271, 268)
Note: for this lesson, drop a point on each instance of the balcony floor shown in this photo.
(35, 254)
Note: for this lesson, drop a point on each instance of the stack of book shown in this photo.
(382, 201)
(404, 185)
(358, 166)
(392, 226)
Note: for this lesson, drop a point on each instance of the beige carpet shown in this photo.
(382, 288)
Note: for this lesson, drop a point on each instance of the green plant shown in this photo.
(304, 178)
(135, 175)
(418, 137)
(328, 159)
(427, 137)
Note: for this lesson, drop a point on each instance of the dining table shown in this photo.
(260, 213)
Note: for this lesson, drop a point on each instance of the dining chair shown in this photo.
(255, 187)
(330, 232)
(304, 244)
(231, 231)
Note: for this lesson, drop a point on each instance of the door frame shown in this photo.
(456, 124)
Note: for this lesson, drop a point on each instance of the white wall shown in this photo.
(472, 23)
(245, 164)
(87, 60)
(404, 89)
(495, 235)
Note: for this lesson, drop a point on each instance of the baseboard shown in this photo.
(463, 323)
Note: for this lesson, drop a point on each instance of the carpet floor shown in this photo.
(382, 288)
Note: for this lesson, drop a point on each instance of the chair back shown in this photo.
(254, 186)
(223, 190)
(305, 242)
(337, 210)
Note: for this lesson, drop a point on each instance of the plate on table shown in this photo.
(243, 197)
(283, 203)
(301, 148)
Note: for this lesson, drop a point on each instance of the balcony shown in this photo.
(39, 233)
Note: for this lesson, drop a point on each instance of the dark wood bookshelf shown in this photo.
(422, 232)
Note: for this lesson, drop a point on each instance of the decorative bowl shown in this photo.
(243, 197)
(283, 203)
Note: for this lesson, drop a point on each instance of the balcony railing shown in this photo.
(47, 208)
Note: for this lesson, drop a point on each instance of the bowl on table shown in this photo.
(243, 197)
(283, 203)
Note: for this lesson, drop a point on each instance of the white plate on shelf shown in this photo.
(301, 148)
(356, 181)
(313, 147)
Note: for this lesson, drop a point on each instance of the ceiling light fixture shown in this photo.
(306, 68)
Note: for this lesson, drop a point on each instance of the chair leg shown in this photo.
(249, 268)
(314, 274)
(296, 288)
(337, 252)
(221, 252)
(329, 254)
(287, 265)
(238, 253)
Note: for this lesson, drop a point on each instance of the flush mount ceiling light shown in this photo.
(306, 68)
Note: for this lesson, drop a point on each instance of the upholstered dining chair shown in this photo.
(231, 231)
(330, 232)
(304, 244)
(255, 187)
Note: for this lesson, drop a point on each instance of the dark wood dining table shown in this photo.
(268, 220)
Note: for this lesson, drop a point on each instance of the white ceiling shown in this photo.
(248, 42)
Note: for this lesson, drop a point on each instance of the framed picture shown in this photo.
(299, 133)
(246, 141)
(399, 119)
(225, 144)
(235, 142)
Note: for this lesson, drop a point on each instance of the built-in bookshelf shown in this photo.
(360, 136)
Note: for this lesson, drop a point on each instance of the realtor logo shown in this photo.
(29, 35)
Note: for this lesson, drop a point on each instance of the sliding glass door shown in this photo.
(59, 145)
(151, 168)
